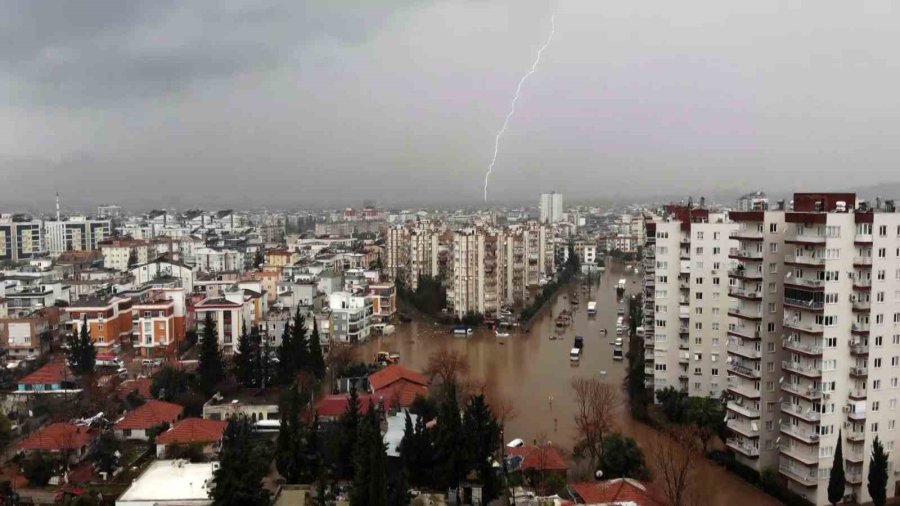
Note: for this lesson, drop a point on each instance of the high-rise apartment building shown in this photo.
(20, 239)
(413, 251)
(75, 234)
(690, 300)
(551, 206)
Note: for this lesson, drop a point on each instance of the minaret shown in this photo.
(57, 206)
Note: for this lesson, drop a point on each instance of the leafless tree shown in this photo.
(675, 456)
(340, 356)
(595, 407)
(447, 367)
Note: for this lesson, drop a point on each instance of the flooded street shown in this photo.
(533, 373)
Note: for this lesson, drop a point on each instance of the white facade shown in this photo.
(75, 234)
(171, 482)
(20, 239)
(215, 260)
(551, 206)
(116, 254)
(351, 317)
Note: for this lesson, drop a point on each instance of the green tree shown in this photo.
(211, 367)
(82, 355)
(878, 474)
(316, 358)
(837, 480)
(242, 466)
(370, 486)
(673, 403)
(622, 458)
(169, 383)
(349, 424)
(245, 360)
(105, 453)
(287, 368)
(297, 454)
(301, 344)
(39, 467)
(416, 452)
(450, 459)
(481, 441)
(707, 414)
(259, 258)
(5, 428)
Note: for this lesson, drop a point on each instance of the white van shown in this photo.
(575, 355)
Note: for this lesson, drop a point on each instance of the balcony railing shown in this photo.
(859, 327)
(743, 370)
(807, 238)
(804, 259)
(801, 453)
(854, 478)
(742, 447)
(745, 273)
(745, 293)
(746, 254)
(744, 389)
(797, 346)
(744, 351)
(745, 331)
(806, 392)
(801, 368)
(750, 234)
(862, 305)
(746, 429)
(804, 282)
(862, 261)
(856, 436)
(749, 412)
(797, 410)
(743, 312)
(859, 349)
(806, 325)
(806, 304)
(807, 436)
(803, 476)
(859, 371)
(857, 393)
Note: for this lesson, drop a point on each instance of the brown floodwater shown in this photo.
(533, 373)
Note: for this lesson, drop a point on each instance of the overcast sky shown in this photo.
(329, 102)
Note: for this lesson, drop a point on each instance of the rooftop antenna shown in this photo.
(57, 206)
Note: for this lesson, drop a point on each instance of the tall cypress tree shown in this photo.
(837, 480)
(287, 369)
(287, 448)
(245, 360)
(349, 427)
(482, 439)
(301, 345)
(82, 355)
(211, 367)
(449, 444)
(370, 487)
(242, 466)
(878, 474)
(316, 359)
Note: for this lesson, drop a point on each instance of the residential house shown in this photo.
(351, 317)
(137, 423)
(160, 323)
(65, 439)
(330, 407)
(398, 385)
(171, 483)
(255, 405)
(109, 320)
(30, 335)
(543, 460)
(617, 491)
(54, 377)
(120, 254)
(165, 265)
(192, 431)
(228, 317)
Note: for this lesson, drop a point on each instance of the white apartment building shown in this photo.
(351, 317)
(219, 260)
(551, 207)
(690, 299)
(117, 253)
(75, 234)
(413, 251)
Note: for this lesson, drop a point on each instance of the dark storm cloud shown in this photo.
(81, 53)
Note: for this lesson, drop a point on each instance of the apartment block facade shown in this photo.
(119, 253)
(160, 323)
(412, 251)
(109, 321)
(20, 240)
(75, 234)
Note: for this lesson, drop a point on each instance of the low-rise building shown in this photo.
(384, 301)
(160, 323)
(351, 317)
(52, 378)
(171, 483)
(228, 318)
(65, 439)
(398, 385)
(137, 423)
(109, 320)
(254, 405)
(193, 431)
(30, 335)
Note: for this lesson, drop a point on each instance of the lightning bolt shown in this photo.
(512, 109)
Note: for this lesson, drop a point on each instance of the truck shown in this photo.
(592, 308)
(108, 360)
(617, 353)
(620, 287)
(579, 342)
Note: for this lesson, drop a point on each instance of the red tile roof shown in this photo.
(543, 458)
(150, 415)
(335, 405)
(57, 437)
(394, 373)
(193, 430)
(141, 386)
(620, 490)
(53, 372)
(402, 393)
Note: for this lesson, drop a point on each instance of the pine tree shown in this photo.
(242, 467)
(301, 345)
(287, 448)
(316, 359)
(82, 355)
(482, 439)
(836, 481)
(349, 427)
(448, 443)
(263, 371)
(416, 453)
(878, 474)
(370, 485)
(287, 368)
(245, 360)
(211, 367)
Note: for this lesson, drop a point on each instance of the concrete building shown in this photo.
(690, 298)
(165, 266)
(219, 260)
(20, 238)
(351, 317)
(160, 323)
(384, 301)
(78, 233)
(756, 201)
(413, 251)
(109, 321)
(171, 483)
(118, 254)
(551, 207)
(228, 318)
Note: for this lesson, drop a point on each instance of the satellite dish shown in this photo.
(781, 380)
(598, 474)
(789, 274)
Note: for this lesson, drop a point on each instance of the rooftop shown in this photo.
(171, 481)
(336, 405)
(193, 430)
(51, 373)
(539, 458)
(617, 491)
(149, 415)
(57, 437)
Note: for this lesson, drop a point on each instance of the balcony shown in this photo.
(746, 313)
(803, 325)
(856, 436)
(749, 412)
(809, 392)
(859, 349)
(800, 347)
(743, 370)
(862, 261)
(746, 255)
(797, 410)
(854, 478)
(805, 239)
(815, 284)
(745, 293)
(856, 416)
(744, 331)
(742, 447)
(859, 328)
(744, 351)
(804, 454)
(742, 388)
(805, 477)
(862, 305)
(804, 260)
(859, 372)
(862, 284)
(751, 274)
(857, 393)
(807, 436)
(854, 456)
(743, 428)
(801, 368)
(810, 305)
(747, 235)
